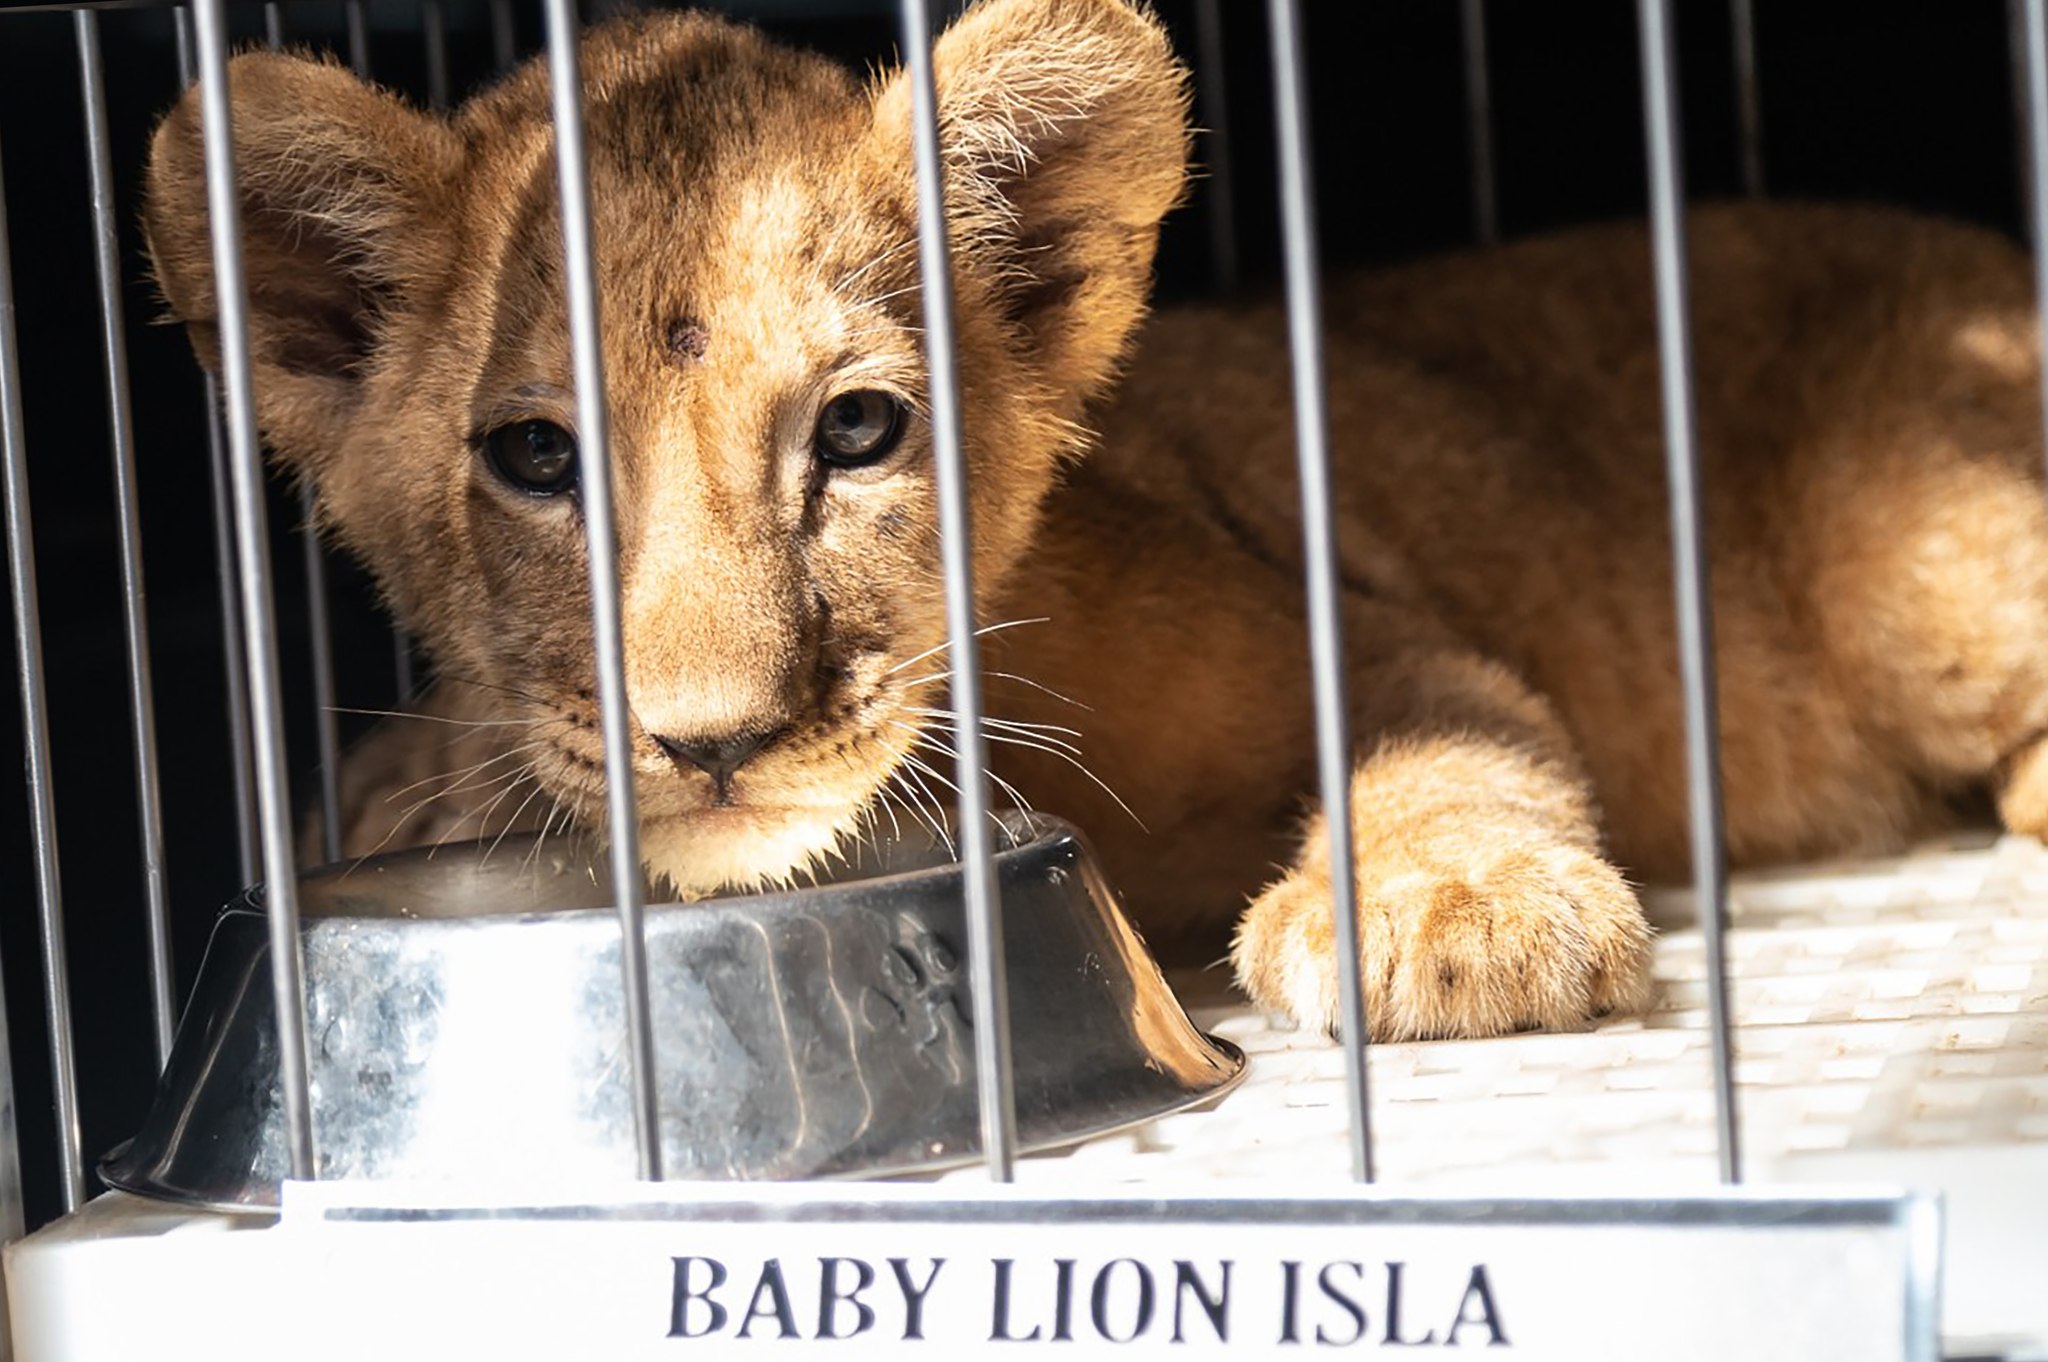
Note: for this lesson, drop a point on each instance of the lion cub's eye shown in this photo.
(859, 427)
(534, 456)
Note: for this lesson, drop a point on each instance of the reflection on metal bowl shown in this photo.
(465, 1020)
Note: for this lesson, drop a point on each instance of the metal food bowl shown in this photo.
(466, 1020)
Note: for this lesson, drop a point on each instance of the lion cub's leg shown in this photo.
(1484, 903)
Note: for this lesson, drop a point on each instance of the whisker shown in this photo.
(894, 252)
(894, 826)
(513, 822)
(1016, 799)
(1077, 764)
(442, 719)
(399, 823)
(914, 804)
(516, 774)
(467, 772)
(1006, 676)
(1019, 725)
(1004, 730)
(911, 802)
(978, 633)
(546, 825)
(925, 739)
(483, 815)
(457, 678)
(926, 768)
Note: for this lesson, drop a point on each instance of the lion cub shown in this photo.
(1867, 389)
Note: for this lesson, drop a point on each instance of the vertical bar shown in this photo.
(402, 665)
(2034, 46)
(319, 620)
(234, 675)
(1479, 121)
(1319, 546)
(326, 724)
(358, 22)
(1689, 552)
(2017, 58)
(233, 635)
(1214, 87)
(281, 888)
(594, 467)
(13, 1222)
(134, 615)
(401, 645)
(35, 725)
(181, 30)
(434, 28)
(504, 38)
(987, 975)
(1749, 108)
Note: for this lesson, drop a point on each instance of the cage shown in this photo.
(1824, 1139)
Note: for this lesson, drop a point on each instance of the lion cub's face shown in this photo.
(758, 272)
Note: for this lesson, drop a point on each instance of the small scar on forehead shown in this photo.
(685, 339)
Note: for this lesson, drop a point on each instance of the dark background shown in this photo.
(1902, 100)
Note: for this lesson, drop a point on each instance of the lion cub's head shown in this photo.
(756, 232)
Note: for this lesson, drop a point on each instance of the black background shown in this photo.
(1908, 101)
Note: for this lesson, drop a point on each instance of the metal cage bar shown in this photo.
(181, 34)
(281, 890)
(403, 669)
(35, 723)
(434, 32)
(994, 1079)
(601, 535)
(233, 655)
(320, 629)
(13, 1215)
(1689, 553)
(1749, 108)
(134, 615)
(2020, 78)
(2034, 48)
(1214, 92)
(319, 617)
(357, 21)
(504, 37)
(1479, 122)
(1319, 550)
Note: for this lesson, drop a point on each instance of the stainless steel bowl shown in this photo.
(466, 1020)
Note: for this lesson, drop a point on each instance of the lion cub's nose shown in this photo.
(716, 757)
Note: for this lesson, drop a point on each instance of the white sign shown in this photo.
(686, 1271)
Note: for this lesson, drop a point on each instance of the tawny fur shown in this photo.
(1869, 421)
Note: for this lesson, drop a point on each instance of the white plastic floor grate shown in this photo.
(1887, 1006)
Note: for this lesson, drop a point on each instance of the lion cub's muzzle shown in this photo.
(717, 725)
(720, 758)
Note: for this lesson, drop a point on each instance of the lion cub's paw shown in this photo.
(2022, 788)
(1548, 938)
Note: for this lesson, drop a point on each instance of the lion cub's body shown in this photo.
(1868, 414)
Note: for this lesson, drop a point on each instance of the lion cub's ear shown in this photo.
(339, 184)
(1065, 130)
